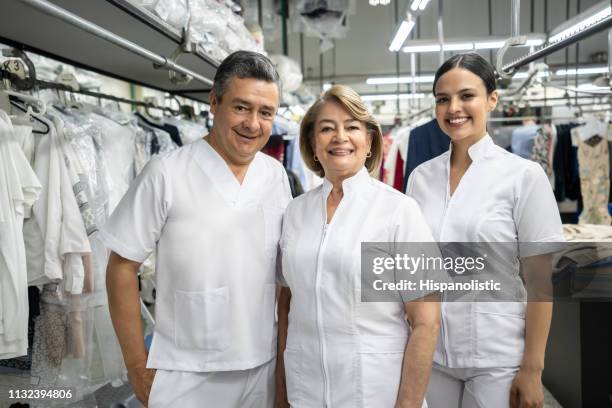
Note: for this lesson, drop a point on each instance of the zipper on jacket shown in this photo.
(443, 331)
(320, 315)
(443, 339)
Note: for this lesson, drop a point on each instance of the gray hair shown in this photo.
(244, 64)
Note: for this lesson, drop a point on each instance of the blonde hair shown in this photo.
(351, 101)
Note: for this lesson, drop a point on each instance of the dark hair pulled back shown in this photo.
(474, 63)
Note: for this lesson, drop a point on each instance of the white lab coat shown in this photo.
(216, 243)
(502, 198)
(342, 352)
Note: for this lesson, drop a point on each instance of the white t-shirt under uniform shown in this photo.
(216, 244)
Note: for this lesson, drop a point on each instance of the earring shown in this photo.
(369, 155)
(315, 158)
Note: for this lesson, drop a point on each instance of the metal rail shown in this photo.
(85, 25)
(550, 48)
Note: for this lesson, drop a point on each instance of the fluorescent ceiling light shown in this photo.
(459, 47)
(583, 71)
(399, 80)
(436, 47)
(534, 43)
(421, 48)
(423, 4)
(400, 36)
(392, 97)
(581, 25)
(591, 87)
(524, 74)
(326, 86)
(418, 4)
(487, 45)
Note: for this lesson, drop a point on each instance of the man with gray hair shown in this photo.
(211, 211)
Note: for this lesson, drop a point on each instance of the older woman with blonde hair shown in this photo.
(334, 349)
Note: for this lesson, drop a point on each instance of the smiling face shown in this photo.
(462, 105)
(341, 142)
(243, 119)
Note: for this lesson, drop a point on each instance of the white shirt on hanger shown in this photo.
(55, 236)
(342, 352)
(502, 198)
(216, 243)
(19, 189)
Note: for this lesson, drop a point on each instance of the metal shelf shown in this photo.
(150, 19)
(33, 30)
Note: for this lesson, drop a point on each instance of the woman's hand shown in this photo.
(141, 379)
(280, 400)
(527, 390)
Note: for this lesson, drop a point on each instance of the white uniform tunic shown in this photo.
(342, 352)
(501, 198)
(216, 243)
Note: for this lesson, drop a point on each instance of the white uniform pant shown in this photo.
(470, 387)
(253, 388)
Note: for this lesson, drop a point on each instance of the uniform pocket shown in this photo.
(292, 376)
(273, 217)
(152, 402)
(379, 370)
(268, 315)
(380, 375)
(500, 332)
(201, 319)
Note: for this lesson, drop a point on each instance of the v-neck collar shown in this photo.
(226, 183)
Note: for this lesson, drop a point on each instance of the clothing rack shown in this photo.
(535, 118)
(418, 114)
(41, 84)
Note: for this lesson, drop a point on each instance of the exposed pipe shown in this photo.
(302, 53)
(85, 25)
(413, 73)
(532, 15)
(567, 17)
(577, 52)
(284, 17)
(610, 53)
(260, 15)
(320, 66)
(516, 18)
(441, 30)
(546, 57)
(418, 58)
(397, 63)
(546, 23)
(490, 8)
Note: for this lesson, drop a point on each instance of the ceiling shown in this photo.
(364, 52)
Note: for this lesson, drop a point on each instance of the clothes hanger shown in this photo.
(30, 114)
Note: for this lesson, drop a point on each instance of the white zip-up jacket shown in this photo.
(342, 352)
